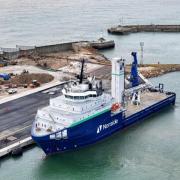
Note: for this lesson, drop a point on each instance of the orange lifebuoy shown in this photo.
(115, 106)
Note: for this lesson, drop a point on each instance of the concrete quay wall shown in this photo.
(53, 48)
(18, 145)
(143, 28)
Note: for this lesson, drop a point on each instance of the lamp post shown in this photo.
(142, 52)
(121, 21)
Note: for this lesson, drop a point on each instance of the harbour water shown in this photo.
(148, 150)
(36, 22)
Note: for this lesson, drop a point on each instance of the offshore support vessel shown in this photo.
(85, 114)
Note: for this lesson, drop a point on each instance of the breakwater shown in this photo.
(122, 30)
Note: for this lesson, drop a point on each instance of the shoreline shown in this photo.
(158, 69)
(147, 70)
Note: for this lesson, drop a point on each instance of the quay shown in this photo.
(17, 115)
(127, 29)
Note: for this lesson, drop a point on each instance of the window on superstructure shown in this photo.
(70, 97)
(78, 97)
(81, 97)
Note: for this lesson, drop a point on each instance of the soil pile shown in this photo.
(28, 78)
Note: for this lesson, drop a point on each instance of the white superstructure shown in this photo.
(77, 103)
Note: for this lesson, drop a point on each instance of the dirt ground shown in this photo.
(56, 61)
(27, 78)
(55, 67)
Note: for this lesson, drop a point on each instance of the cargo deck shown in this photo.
(147, 99)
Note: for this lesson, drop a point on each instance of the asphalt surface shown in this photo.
(17, 116)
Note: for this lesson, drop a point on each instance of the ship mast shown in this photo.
(82, 71)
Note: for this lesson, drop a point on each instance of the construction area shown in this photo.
(31, 68)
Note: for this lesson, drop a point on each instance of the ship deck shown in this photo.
(147, 99)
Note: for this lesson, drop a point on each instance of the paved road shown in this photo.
(19, 114)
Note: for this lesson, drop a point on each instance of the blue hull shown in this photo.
(97, 128)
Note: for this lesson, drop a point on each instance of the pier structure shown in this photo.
(127, 29)
(17, 114)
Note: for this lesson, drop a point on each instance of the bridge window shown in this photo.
(70, 97)
(76, 97)
(80, 97)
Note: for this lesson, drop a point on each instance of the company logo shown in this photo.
(99, 129)
(106, 126)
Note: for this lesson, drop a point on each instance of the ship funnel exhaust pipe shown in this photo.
(117, 81)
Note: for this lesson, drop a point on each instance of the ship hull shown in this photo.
(97, 128)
